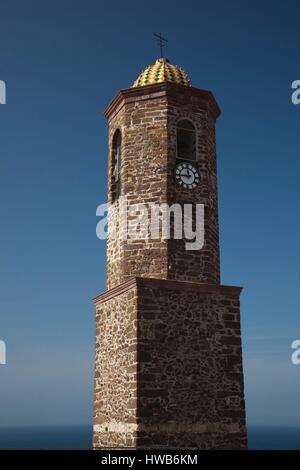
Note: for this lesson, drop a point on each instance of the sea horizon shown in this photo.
(79, 437)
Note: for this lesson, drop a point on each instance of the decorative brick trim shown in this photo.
(179, 427)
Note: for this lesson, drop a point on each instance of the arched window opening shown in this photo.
(186, 140)
(116, 164)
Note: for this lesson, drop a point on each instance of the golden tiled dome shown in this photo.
(162, 71)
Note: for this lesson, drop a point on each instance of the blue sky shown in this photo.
(63, 61)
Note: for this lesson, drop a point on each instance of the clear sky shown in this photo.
(63, 61)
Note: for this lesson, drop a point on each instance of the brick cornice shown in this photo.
(170, 284)
(161, 89)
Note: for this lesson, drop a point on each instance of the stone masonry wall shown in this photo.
(182, 385)
(148, 122)
(143, 124)
(197, 265)
(115, 386)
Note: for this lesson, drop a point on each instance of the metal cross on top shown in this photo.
(161, 41)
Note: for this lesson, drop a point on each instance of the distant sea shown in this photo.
(80, 437)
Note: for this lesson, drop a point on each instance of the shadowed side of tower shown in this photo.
(168, 366)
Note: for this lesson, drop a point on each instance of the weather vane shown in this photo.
(161, 41)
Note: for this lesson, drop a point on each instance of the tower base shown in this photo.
(168, 370)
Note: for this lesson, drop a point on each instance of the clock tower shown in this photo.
(168, 364)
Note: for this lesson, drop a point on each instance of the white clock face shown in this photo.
(187, 175)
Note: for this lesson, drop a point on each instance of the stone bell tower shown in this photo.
(168, 365)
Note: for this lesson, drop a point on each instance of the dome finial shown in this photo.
(162, 43)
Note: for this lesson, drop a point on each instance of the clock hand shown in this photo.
(188, 174)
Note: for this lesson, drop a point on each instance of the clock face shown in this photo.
(187, 175)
